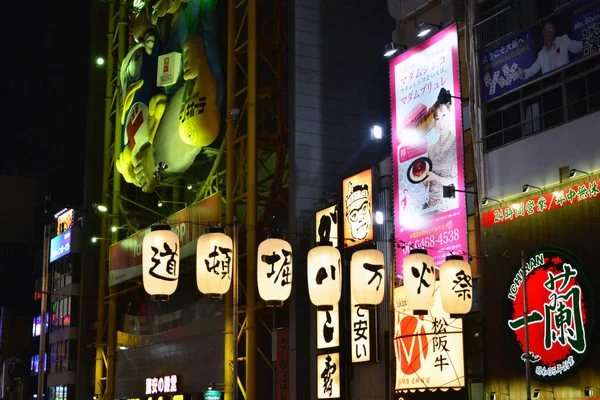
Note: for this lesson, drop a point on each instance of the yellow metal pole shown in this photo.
(116, 199)
(99, 388)
(229, 336)
(251, 209)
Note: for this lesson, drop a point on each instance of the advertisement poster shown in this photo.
(539, 50)
(560, 314)
(429, 348)
(172, 90)
(357, 193)
(427, 149)
(283, 363)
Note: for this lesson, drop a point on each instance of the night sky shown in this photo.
(44, 82)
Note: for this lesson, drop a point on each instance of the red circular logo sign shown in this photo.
(558, 321)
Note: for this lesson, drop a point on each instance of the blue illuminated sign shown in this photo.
(60, 246)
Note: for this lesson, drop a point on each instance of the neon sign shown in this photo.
(546, 202)
(560, 314)
(163, 384)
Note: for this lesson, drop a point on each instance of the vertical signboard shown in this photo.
(327, 226)
(357, 194)
(328, 376)
(427, 148)
(560, 307)
(328, 328)
(429, 348)
(60, 245)
(282, 367)
(360, 335)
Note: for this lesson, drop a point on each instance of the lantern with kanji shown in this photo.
(160, 257)
(456, 286)
(419, 281)
(367, 277)
(214, 263)
(324, 274)
(274, 271)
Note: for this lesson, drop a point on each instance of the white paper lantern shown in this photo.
(367, 277)
(274, 271)
(456, 286)
(419, 281)
(324, 276)
(160, 255)
(214, 263)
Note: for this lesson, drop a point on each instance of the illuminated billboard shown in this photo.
(551, 45)
(328, 376)
(60, 246)
(64, 221)
(327, 226)
(429, 348)
(560, 307)
(172, 90)
(357, 192)
(427, 148)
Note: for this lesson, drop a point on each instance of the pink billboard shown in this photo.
(427, 149)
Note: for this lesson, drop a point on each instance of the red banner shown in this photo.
(188, 224)
(283, 363)
(546, 202)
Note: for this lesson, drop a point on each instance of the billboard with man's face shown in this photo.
(172, 89)
(427, 149)
(357, 194)
(540, 50)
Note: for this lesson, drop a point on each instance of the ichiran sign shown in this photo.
(560, 314)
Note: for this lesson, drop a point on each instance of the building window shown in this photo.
(35, 363)
(550, 101)
(37, 325)
(61, 354)
(58, 392)
(61, 313)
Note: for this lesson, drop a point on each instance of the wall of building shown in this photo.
(339, 89)
(572, 228)
(536, 160)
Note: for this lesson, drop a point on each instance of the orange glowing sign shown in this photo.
(358, 208)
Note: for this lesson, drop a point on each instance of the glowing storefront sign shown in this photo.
(60, 246)
(429, 348)
(360, 335)
(328, 328)
(427, 148)
(163, 384)
(357, 192)
(561, 313)
(327, 226)
(328, 376)
(64, 221)
(540, 204)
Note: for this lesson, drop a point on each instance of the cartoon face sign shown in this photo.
(358, 211)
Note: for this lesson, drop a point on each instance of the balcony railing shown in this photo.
(495, 27)
(543, 122)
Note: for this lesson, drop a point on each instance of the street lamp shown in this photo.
(100, 207)
(96, 238)
(526, 188)
(486, 200)
(573, 173)
(426, 28)
(376, 132)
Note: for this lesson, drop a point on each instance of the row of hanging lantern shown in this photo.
(214, 265)
(420, 283)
